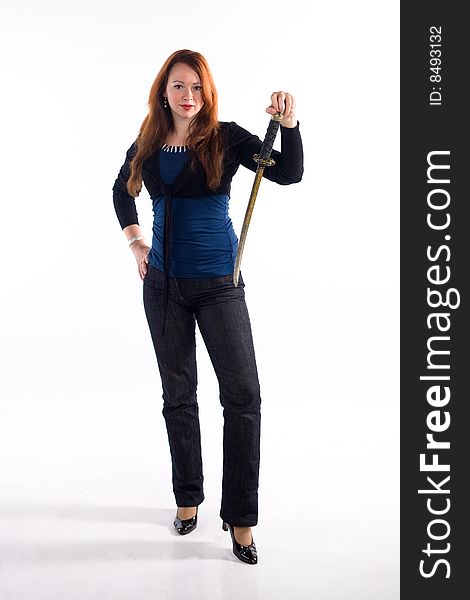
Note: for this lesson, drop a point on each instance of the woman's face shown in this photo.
(184, 92)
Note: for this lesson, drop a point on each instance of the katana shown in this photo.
(263, 159)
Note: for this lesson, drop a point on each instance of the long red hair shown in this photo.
(204, 134)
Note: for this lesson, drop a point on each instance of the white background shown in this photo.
(86, 506)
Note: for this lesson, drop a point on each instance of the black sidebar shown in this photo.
(435, 316)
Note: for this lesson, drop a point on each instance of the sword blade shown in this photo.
(246, 223)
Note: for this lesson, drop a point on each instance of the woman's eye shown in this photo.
(179, 86)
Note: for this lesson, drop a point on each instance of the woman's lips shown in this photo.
(187, 106)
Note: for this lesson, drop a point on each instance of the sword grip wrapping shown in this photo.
(268, 142)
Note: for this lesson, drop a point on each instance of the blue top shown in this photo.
(203, 241)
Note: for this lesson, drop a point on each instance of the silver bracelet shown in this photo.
(135, 238)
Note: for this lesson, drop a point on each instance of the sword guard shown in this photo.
(263, 162)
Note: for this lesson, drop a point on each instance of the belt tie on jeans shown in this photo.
(166, 249)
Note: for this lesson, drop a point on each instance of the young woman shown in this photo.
(186, 159)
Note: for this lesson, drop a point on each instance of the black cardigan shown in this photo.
(239, 147)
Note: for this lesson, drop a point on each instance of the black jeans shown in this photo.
(222, 316)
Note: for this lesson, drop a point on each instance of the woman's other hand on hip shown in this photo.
(141, 252)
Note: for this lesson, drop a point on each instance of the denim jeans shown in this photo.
(223, 320)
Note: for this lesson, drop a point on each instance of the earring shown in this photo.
(165, 103)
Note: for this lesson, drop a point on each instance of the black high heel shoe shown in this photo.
(184, 526)
(246, 554)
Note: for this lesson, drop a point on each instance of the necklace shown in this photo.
(169, 148)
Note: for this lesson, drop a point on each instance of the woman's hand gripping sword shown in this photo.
(263, 159)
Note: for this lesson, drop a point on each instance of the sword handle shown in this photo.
(271, 133)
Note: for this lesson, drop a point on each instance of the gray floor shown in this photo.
(86, 505)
